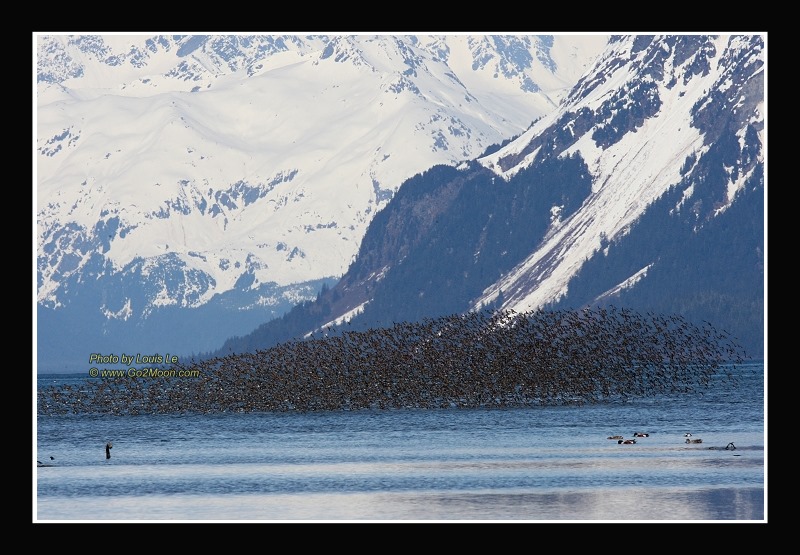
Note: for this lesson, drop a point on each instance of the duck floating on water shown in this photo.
(615, 437)
(40, 463)
(640, 434)
(626, 441)
(729, 447)
(698, 440)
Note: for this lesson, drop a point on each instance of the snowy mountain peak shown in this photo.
(239, 171)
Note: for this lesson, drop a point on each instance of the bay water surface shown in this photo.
(517, 464)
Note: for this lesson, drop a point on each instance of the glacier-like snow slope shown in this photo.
(627, 175)
(275, 165)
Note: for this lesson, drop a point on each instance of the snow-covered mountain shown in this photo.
(189, 188)
(645, 189)
(643, 122)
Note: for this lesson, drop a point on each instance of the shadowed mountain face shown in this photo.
(644, 189)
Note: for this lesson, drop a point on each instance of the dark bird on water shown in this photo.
(729, 447)
(108, 450)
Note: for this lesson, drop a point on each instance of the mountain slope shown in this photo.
(645, 189)
(183, 180)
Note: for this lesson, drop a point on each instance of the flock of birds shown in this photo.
(621, 439)
(689, 439)
(479, 359)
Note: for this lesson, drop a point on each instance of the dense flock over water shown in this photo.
(480, 359)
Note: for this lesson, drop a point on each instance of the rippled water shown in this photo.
(532, 464)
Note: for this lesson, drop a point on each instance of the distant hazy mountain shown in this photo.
(190, 188)
(644, 189)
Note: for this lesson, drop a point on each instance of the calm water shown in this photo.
(529, 464)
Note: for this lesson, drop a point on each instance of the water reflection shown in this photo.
(623, 504)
